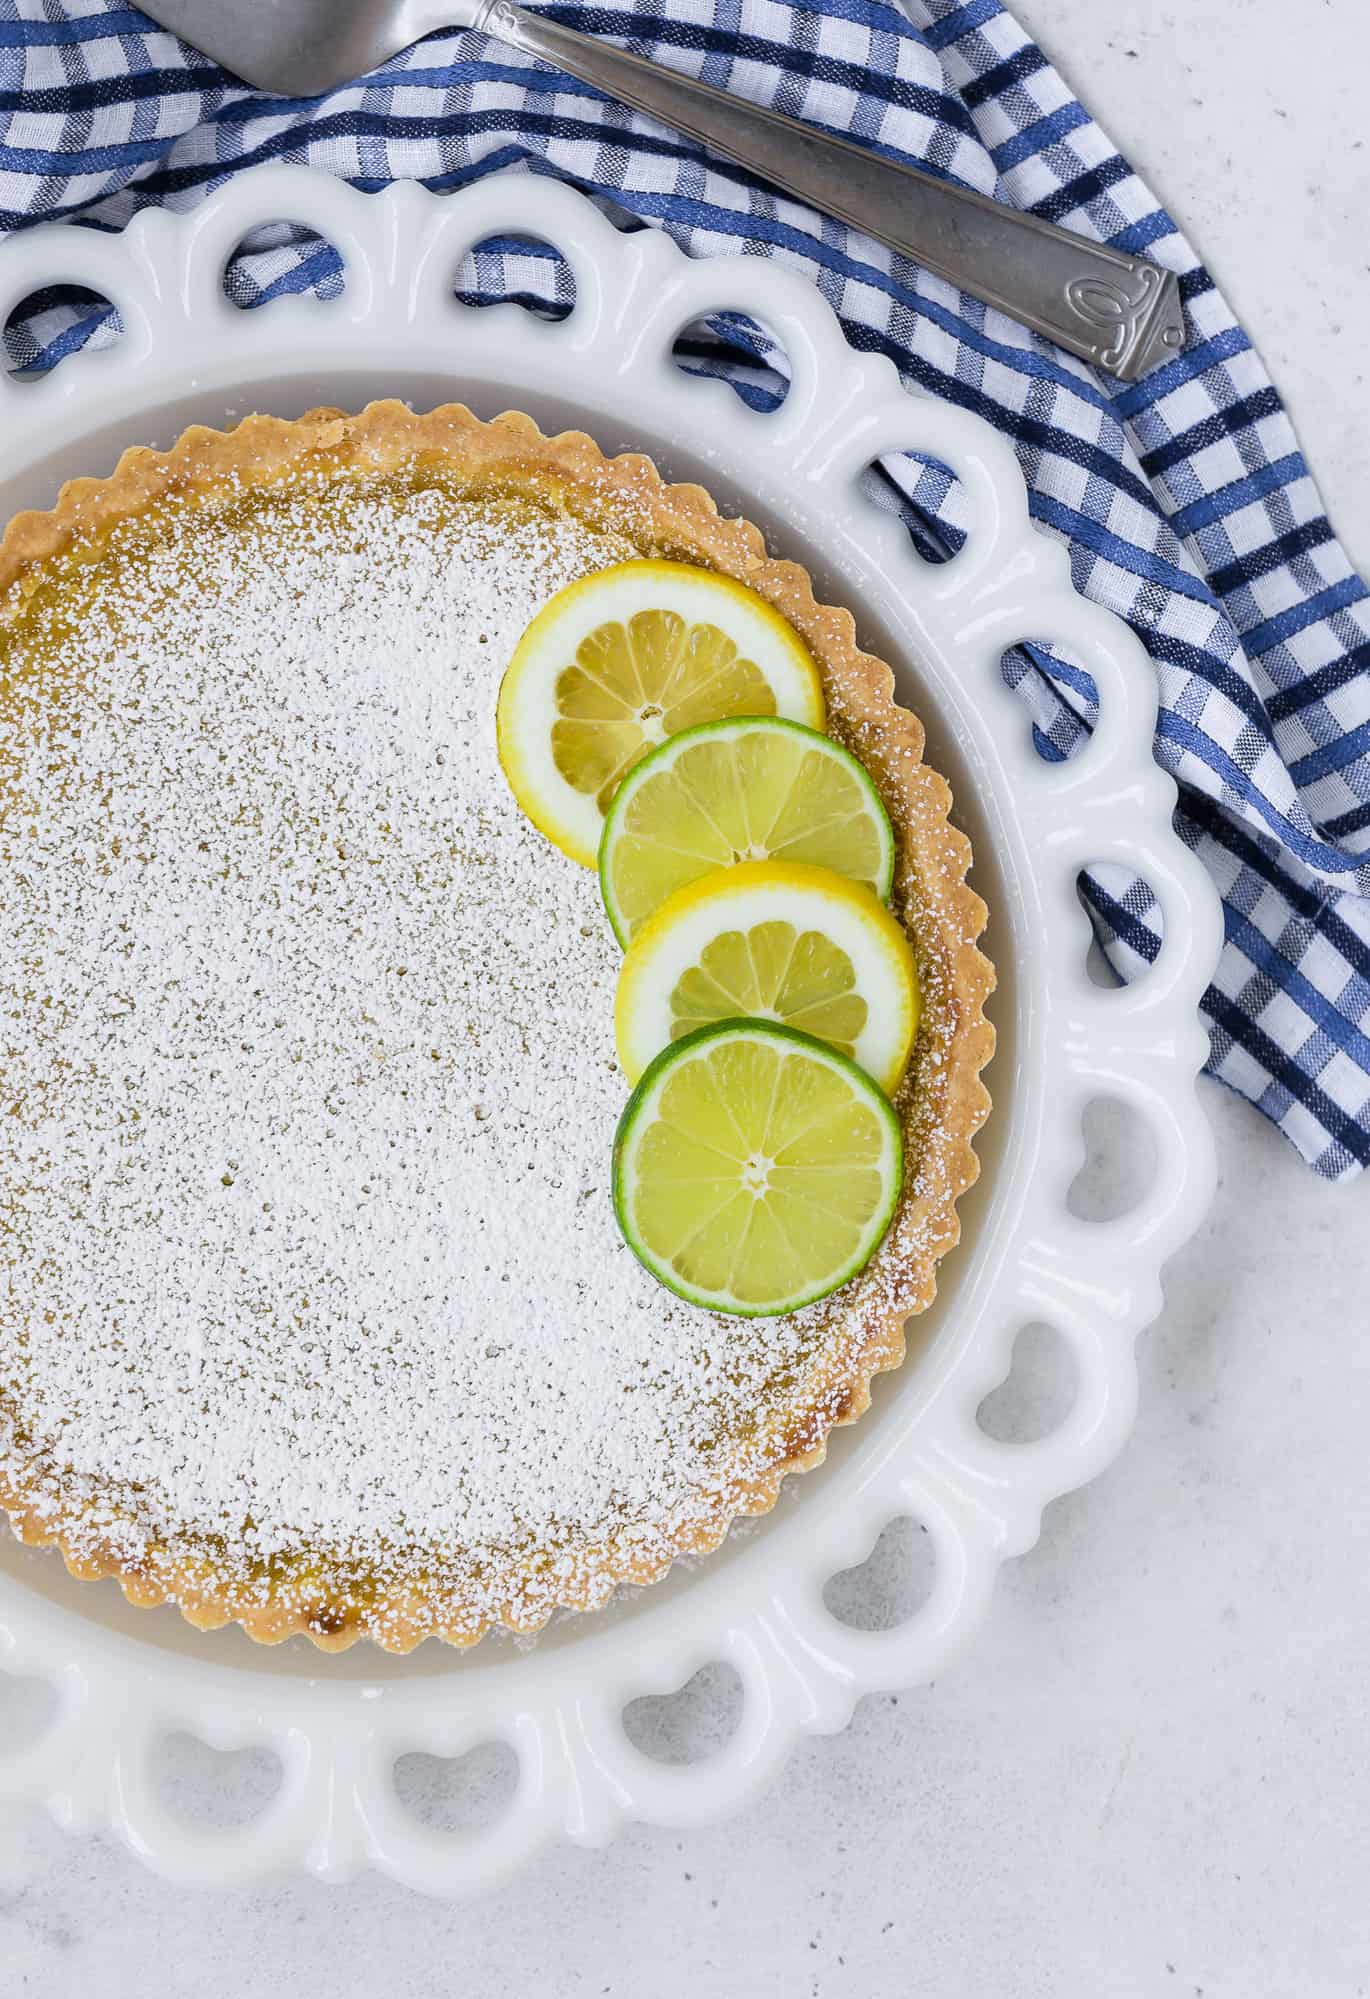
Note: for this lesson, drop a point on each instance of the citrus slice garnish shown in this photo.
(619, 661)
(754, 788)
(755, 1169)
(772, 940)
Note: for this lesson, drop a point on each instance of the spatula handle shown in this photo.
(1117, 311)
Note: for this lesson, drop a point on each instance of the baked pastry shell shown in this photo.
(944, 1095)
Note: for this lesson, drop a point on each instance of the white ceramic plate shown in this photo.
(125, 1677)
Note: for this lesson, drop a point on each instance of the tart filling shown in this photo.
(313, 1308)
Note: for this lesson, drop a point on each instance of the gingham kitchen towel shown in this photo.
(1185, 500)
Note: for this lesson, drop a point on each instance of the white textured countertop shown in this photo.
(1152, 1775)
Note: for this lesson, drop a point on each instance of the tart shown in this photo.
(313, 1312)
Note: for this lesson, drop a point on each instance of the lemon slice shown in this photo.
(755, 1169)
(778, 941)
(619, 661)
(753, 789)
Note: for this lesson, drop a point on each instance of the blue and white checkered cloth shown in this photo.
(1186, 503)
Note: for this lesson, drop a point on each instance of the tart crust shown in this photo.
(943, 1094)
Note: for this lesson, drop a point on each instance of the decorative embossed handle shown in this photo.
(1114, 310)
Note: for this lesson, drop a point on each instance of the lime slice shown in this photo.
(755, 1169)
(752, 789)
(621, 660)
(778, 941)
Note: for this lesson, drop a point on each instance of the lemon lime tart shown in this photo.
(492, 1025)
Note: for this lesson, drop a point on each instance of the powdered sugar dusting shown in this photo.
(311, 1088)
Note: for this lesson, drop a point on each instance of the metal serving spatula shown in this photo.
(1117, 311)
